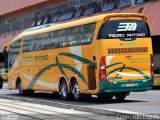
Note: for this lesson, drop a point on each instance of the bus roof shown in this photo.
(72, 23)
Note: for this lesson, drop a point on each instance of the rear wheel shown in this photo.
(77, 96)
(20, 88)
(75, 91)
(65, 95)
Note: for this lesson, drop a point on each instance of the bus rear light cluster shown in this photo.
(102, 70)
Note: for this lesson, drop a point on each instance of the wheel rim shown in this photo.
(20, 88)
(64, 90)
(75, 90)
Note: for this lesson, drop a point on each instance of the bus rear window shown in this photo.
(124, 30)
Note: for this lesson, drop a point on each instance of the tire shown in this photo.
(75, 91)
(120, 97)
(104, 97)
(65, 95)
(20, 89)
(1, 83)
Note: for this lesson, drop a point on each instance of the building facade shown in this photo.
(18, 15)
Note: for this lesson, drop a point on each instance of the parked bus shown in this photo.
(107, 55)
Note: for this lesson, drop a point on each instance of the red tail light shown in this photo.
(102, 69)
(152, 74)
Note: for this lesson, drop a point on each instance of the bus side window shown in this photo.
(28, 44)
(87, 33)
(52, 42)
(59, 38)
(14, 50)
(42, 41)
(73, 36)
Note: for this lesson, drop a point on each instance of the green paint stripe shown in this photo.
(61, 66)
(76, 57)
(120, 69)
(119, 63)
(32, 83)
(138, 71)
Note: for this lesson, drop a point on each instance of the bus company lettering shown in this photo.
(28, 59)
(41, 58)
(35, 58)
(75, 42)
(136, 35)
(116, 35)
(128, 35)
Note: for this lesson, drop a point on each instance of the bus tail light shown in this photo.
(102, 69)
(151, 71)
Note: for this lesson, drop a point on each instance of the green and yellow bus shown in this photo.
(108, 55)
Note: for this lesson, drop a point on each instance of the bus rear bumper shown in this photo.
(125, 86)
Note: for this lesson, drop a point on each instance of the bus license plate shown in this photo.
(130, 84)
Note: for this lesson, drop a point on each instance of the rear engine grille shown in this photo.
(127, 50)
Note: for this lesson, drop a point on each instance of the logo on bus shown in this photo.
(127, 27)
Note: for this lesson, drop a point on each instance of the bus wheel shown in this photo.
(75, 91)
(65, 95)
(20, 89)
(120, 97)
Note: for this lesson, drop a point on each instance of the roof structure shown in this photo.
(8, 6)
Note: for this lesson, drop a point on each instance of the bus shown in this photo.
(108, 55)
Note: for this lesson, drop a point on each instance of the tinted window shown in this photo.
(41, 42)
(124, 29)
(73, 36)
(57, 38)
(14, 50)
(87, 33)
(28, 44)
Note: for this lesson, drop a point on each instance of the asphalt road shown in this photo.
(18, 110)
(145, 103)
